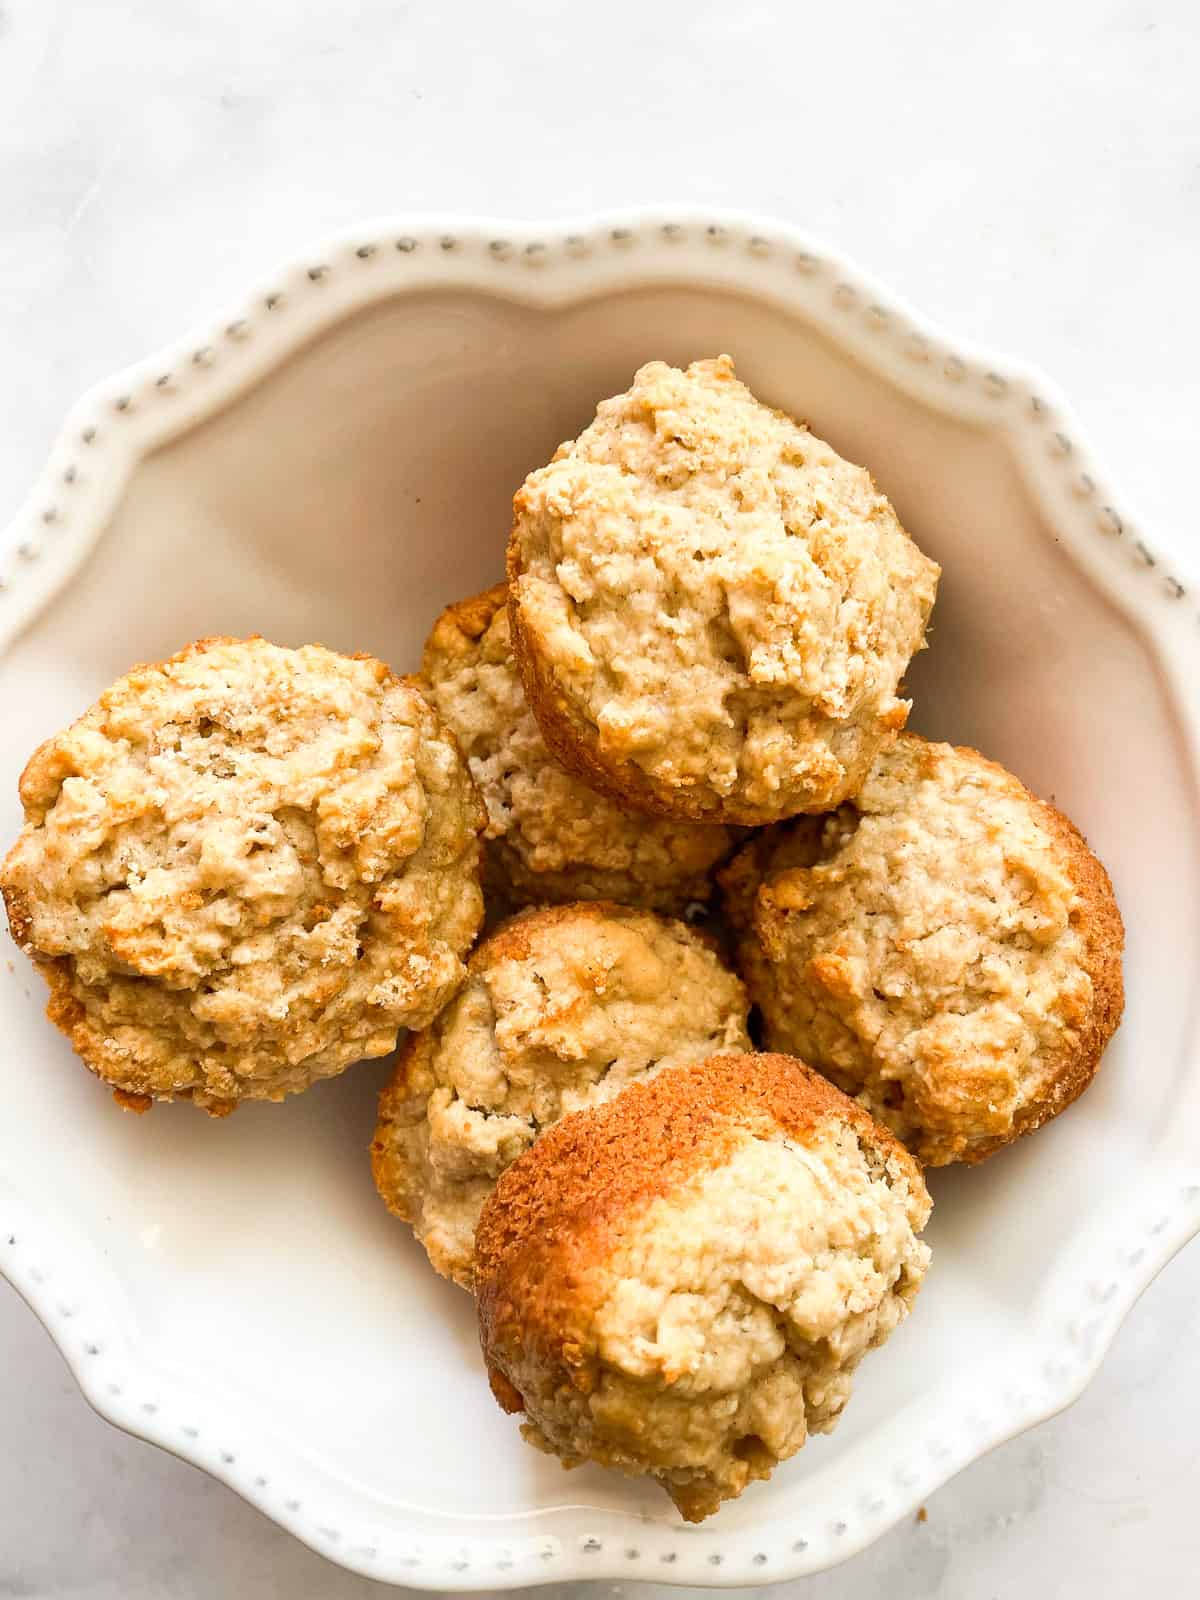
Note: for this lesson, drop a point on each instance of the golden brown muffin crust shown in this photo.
(682, 1282)
(243, 868)
(946, 947)
(549, 837)
(711, 609)
(563, 1008)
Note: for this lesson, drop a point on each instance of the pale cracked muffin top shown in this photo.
(245, 868)
(562, 1009)
(946, 948)
(712, 610)
(680, 1283)
(549, 837)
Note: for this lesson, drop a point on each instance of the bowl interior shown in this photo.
(361, 486)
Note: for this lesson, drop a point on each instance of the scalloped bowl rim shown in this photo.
(59, 522)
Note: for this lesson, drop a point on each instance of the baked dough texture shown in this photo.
(245, 868)
(681, 1283)
(563, 1008)
(946, 948)
(549, 837)
(712, 610)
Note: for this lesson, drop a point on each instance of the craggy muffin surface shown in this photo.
(244, 868)
(711, 609)
(945, 947)
(549, 837)
(562, 1009)
(680, 1283)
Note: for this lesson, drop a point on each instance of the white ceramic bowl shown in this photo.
(335, 460)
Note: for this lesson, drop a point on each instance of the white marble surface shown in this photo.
(1028, 174)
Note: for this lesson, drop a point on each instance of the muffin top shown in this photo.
(946, 948)
(549, 837)
(712, 610)
(246, 867)
(562, 1009)
(681, 1282)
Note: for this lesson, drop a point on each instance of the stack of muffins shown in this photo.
(249, 866)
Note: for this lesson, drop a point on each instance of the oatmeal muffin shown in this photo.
(946, 948)
(681, 1283)
(711, 610)
(562, 1009)
(243, 869)
(549, 837)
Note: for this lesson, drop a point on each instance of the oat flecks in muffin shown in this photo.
(563, 1008)
(711, 609)
(549, 837)
(681, 1283)
(245, 868)
(947, 948)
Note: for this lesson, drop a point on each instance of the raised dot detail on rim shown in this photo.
(590, 1545)
(1110, 522)
(758, 246)
(406, 245)
(69, 474)
(845, 297)
(318, 274)
(273, 302)
(760, 1559)
(204, 357)
(500, 248)
(1174, 588)
(237, 330)
(123, 402)
(917, 348)
(50, 515)
(806, 262)
(995, 385)
(448, 242)
(878, 318)
(364, 252)
(1061, 445)
(621, 235)
(955, 369)
(672, 231)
